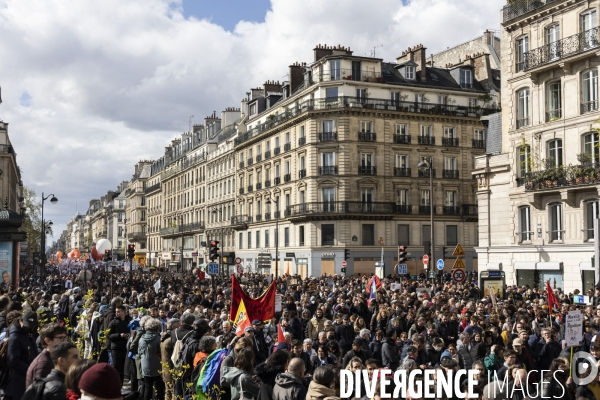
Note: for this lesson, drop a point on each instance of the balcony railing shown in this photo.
(469, 209)
(258, 185)
(327, 136)
(328, 170)
(553, 115)
(152, 188)
(267, 183)
(267, 216)
(287, 178)
(559, 177)
(362, 102)
(362, 170)
(425, 210)
(241, 190)
(450, 142)
(520, 7)
(302, 173)
(450, 173)
(367, 136)
(258, 157)
(277, 150)
(402, 172)
(182, 229)
(267, 154)
(561, 49)
(522, 122)
(344, 207)
(425, 173)
(258, 218)
(135, 236)
(241, 164)
(349, 75)
(287, 147)
(402, 139)
(589, 106)
(250, 189)
(427, 140)
(403, 209)
(302, 141)
(277, 181)
(479, 144)
(250, 161)
(239, 220)
(451, 210)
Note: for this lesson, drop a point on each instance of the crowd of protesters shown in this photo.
(66, 338)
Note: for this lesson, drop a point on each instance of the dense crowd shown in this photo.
(122, 336)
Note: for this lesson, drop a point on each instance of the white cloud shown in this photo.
(91, 87)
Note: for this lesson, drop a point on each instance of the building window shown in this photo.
(472, 102)
(301, 236)
(401, 129)
(334, 70)
(257, 239)
(466, 78)
(555, 220)
(590, 148)
(554, 101)
(361, 94)
(366, 126)
(524, 167)
(402, 197)
(302, 131)
(450, 198)
(328, 199)
(327, 159)
(587, 21)
(367, 196)
(591, 213)
(327, 235)
(424, 195)
(589, 93)
(401, 161)
(253, 109)
(366, 160)
(286, 237)
(403, 235)
(523, 108)
(267, 244)
(479, 134)
(395, 97)
(328, 126)
(450, 133)
(427, 130)
(331, 93)
(524, 224)
(450, 164)
(241, 240)
(522, 48)
(425, 234)
(409, 72)
(451, 235)
(249, 240)
(368, 234)
(555, 153)
(552, 37)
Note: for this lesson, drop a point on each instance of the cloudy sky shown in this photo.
(90, 87)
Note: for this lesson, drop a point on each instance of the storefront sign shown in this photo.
(195, 254)
(292, 255)
(327, 255)
(165, 256)
(187, 254)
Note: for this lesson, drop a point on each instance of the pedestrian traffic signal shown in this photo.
(346, 254)
(130, 250)
(402, 255)
(214, 250)
(343, 270)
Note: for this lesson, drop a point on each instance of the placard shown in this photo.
(574, 328)
(278, 299)
(396, 286)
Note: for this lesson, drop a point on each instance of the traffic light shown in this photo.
(214, 250)
(343, 270)
(130, 250)
(402, 255)
(427, 247)
(346, 255)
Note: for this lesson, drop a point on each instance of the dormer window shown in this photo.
(409, 72)
(252, 109)
(466, 78)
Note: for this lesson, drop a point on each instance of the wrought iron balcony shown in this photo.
(522, 122)
(267, 216)
(258, 218)
(241, 190)
(338, 74)
(425, 173)
(403, 209)
(277, 214)
(427, 140)
(519, 7)
(367, 136)
(250, 189)
(561, 49)
(287, 177)
(451, 210)
(287, 147)
(404, 172)
(250, 161)
(152, 188)
(258, 185)
(362, 170)
(470, 209)
(328, 170)
(450, 142)
(136, 236)
(302, 173)
(267, 183)
(267, 154)
(258, 157)
(239, 221)
(402, 139)
(589, 106)
(553, 115)
(327, 136)
(344, 207)
(277, 181)
(561, 177)
(302, 141)
(479, 144)
(277, 150)
(425, 210)
(450, 173)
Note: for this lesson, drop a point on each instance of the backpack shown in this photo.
(63, 308)
(187, 354)
(36, 390)
(179, 344)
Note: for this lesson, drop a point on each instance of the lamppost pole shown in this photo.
(276, 234)
(221, 266)
(53, 200)
(181, 229)
(426, 164)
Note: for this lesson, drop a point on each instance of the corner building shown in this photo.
(331, 157)
(538, 196)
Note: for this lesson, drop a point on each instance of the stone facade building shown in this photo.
(538, 197)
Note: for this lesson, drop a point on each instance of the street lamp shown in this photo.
(53, 200)
(276, 234)
(426, 164)
(221, 267)
(180, 216)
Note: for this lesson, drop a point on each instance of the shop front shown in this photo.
(588, 276)
(536, 274)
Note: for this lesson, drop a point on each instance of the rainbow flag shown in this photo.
(209, 380)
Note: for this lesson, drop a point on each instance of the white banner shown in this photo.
(157, 286)
(574, 328)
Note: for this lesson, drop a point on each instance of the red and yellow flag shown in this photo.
(241, 319)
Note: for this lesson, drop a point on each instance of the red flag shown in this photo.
(551, 298)
(370, 283)
(280, 337)
(262, 308)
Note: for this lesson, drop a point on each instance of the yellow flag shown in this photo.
(241, 319)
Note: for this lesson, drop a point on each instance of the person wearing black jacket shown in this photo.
(63, 355)
(357, 351)
(344, 333)
(447, 330)
(295, 327)
(389, 353)
(298, 352)
(4, 301)
(118, 335)
(259, 339)
(21, 352)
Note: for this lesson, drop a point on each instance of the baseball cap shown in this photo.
(517, 342)
(257, 322)
(30, 320)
